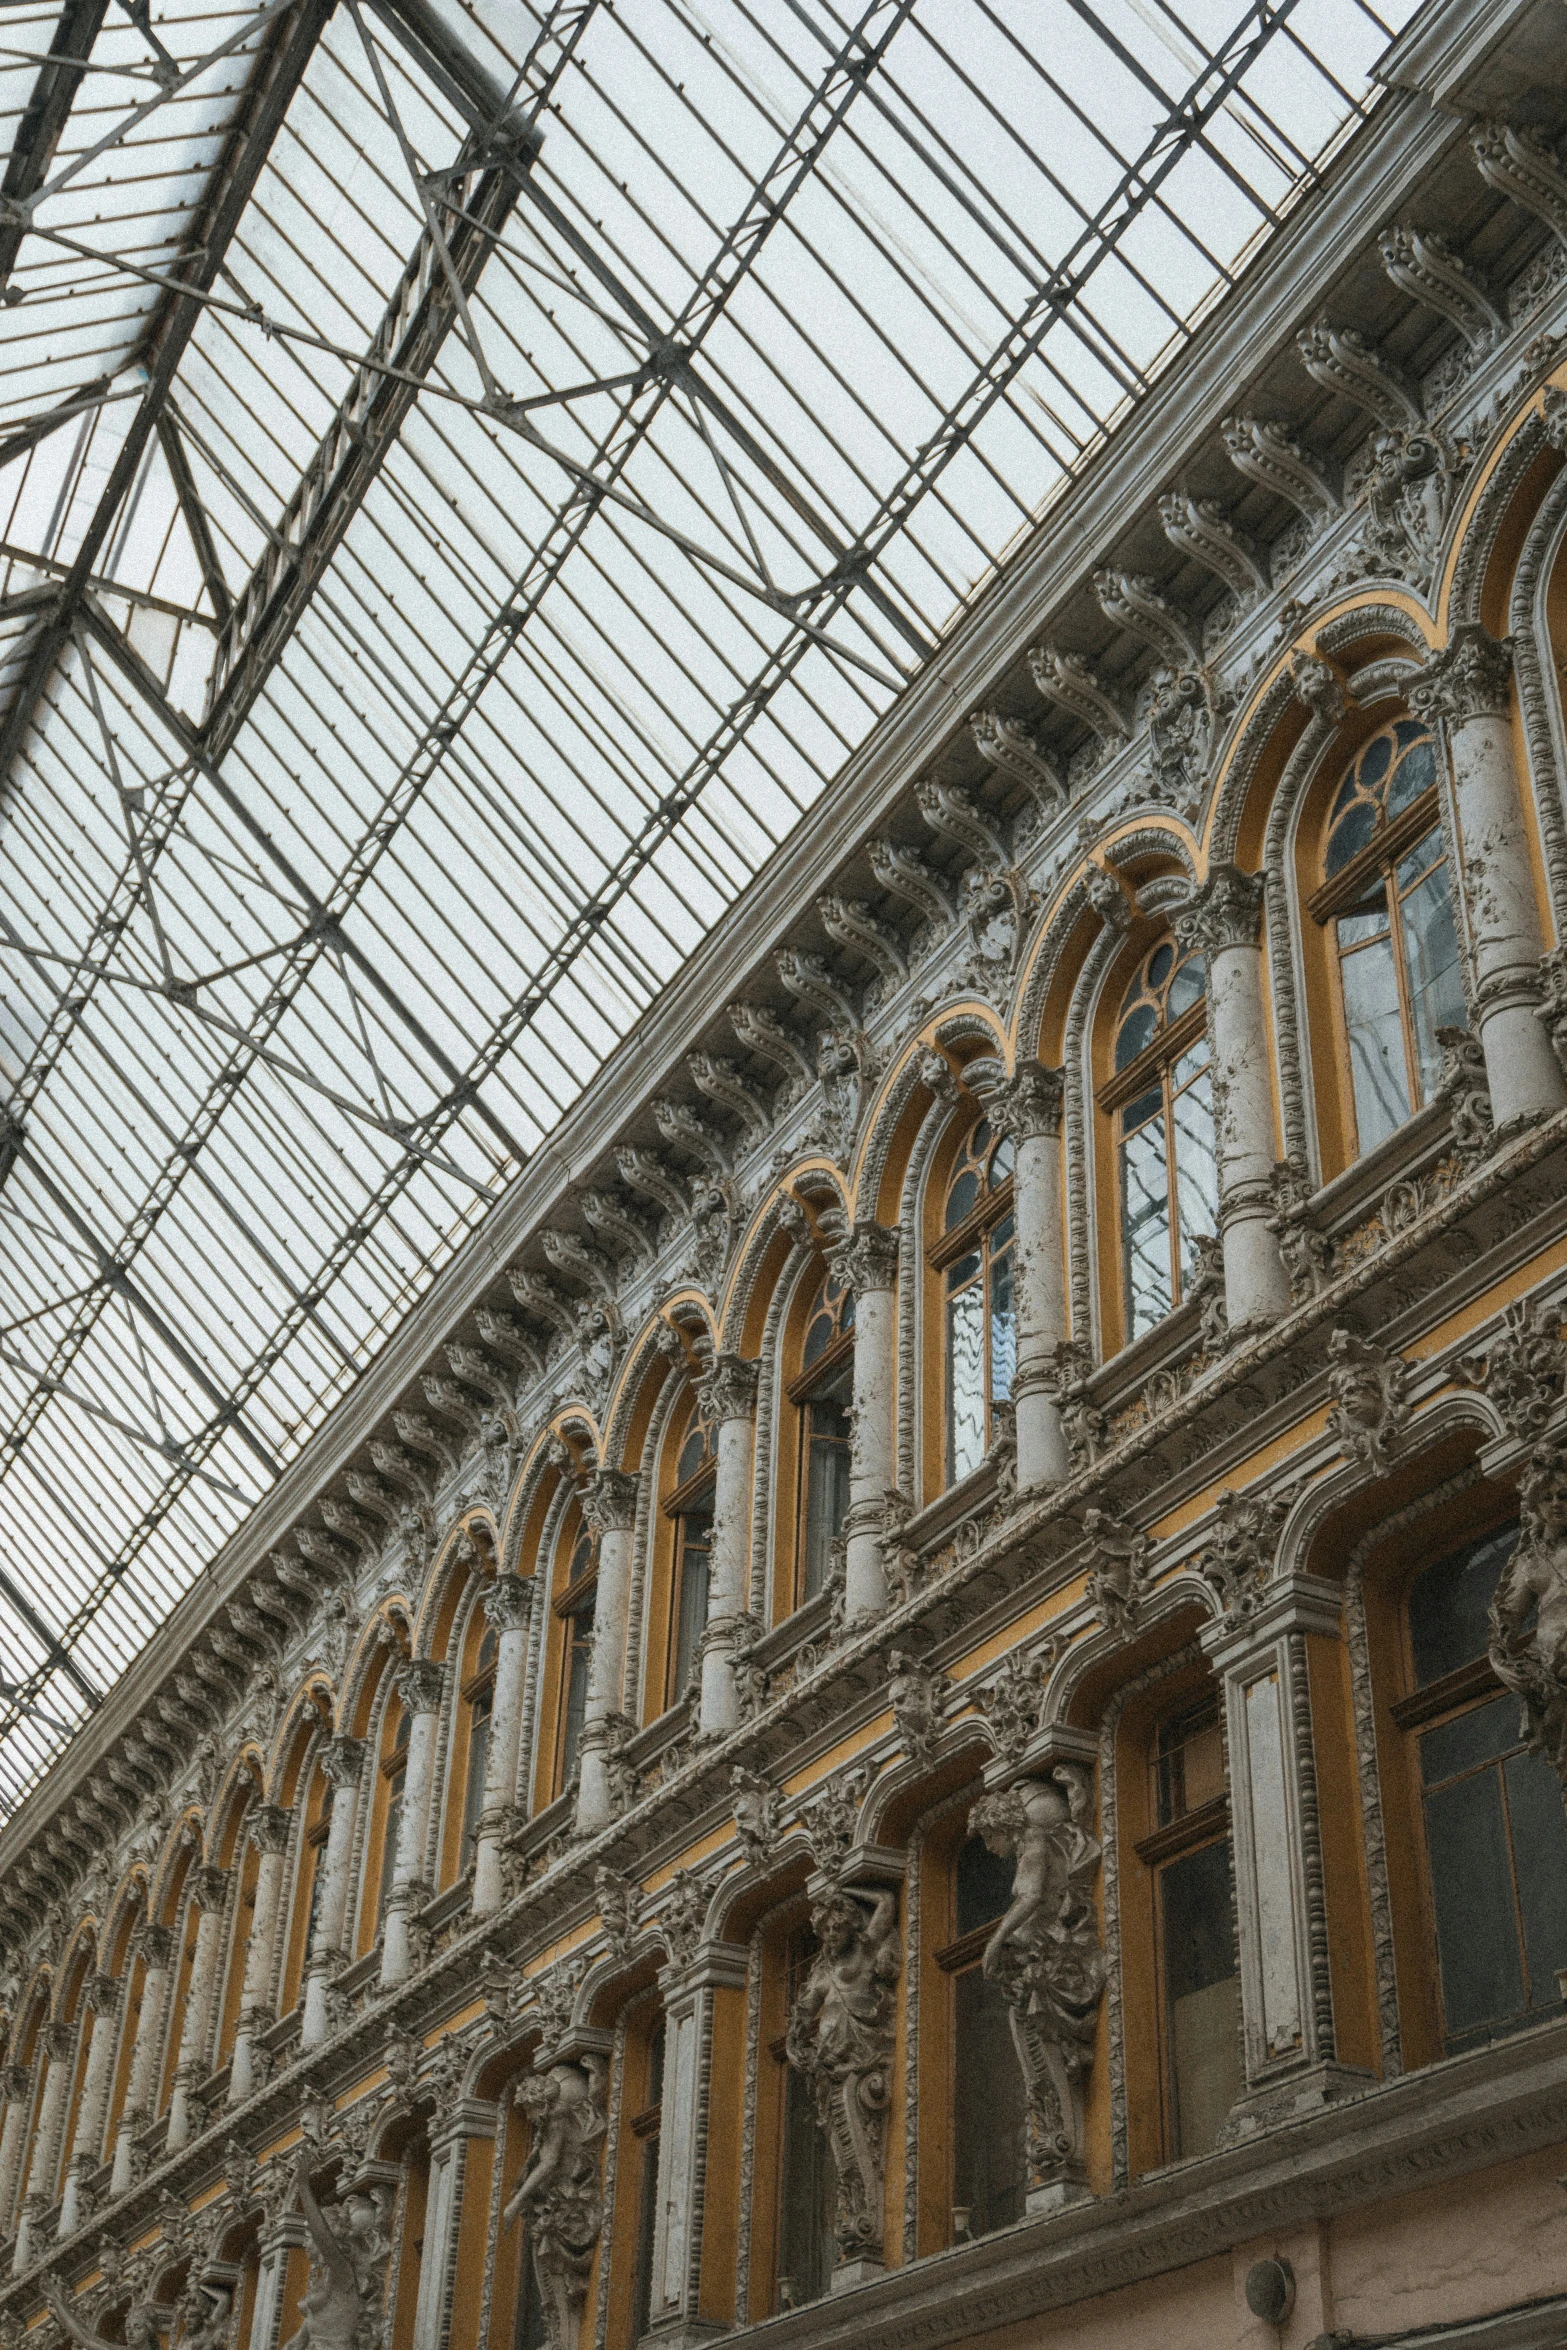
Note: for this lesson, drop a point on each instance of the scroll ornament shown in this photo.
(1047, 1958)
(840, 2040)
(559, 2198)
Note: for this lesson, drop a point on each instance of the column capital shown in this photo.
(508, 1602)
(1468, 679)
(1225, 912)
(15, 2081)
(209, 1886)
(59, 2042)
(157, 1947)
(866, 1257)
(729, 1390)
(1024, 1104)
(610, 1503)
(103, 1993)
(342, 1759)
(269, 1824)
(421, 1683)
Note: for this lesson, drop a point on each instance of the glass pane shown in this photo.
(1203, 1995)
(1539, 1833)
(1145, 1219)
(1416, 772)
(1136, 1033)
(695, 1541)
(984, 1884)
(1003, 1318)
(1375, 760)
(965, 1382)
(961, 1198)
(1436, 994)
(394, 1826)
(1187, 985)
(1474, 1738)
(963, 1271)
(826, 1431)
(1196, 1170)
(1349, 836)
(1147, 1105)
(579, 1634)
(1448, 1606)
(1472, 1895)
(990, 2149)
(809, 2190)
(692, 1453)
(1002, 1160)
(1376, 1041)
(473, 1787)
(1159, 966)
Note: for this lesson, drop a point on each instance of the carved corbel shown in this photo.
(724, 1083)
(1135, 602)
(851, 922)
(761, 1031)
(1266, 451)
(1343, 361)
(1200, 528)
(1010, 745)
(1067, 680)
(953, 815)
(904, 873)
(1427, 269)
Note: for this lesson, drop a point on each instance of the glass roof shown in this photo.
(469, 476)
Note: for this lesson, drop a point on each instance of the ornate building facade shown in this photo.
(927, 1696)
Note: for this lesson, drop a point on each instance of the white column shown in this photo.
(103, 2004)
(1466, 689)
(17, 2083)
(209, 1891)
(342, 1759)
(692, 1993)
(1027, 1106)
(509, 1606)
(867, 1261)
(1224, 922)
(269, 1826)
(611, 1509)
(1280, 1913)
(59, 2047)
(157, 1953)
(420, 1685)
(450, 2135)
(728, 1397)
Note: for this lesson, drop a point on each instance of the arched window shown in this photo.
(1161, 1098)
(479, 1697)
(575, 1606)
(989, 2123)
(1188, 1853)
(394, 1770)
(690, 1506)
(822, 1392)
(1495, 1832)
(975, 1256)
(1385, 891)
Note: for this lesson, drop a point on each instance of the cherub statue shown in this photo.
(841, 2038)
(558, 2196)
(1045, 1953)
(1528, 1643)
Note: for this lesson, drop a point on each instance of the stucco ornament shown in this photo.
(754, 1802)
(1528, 1624)
(916, 1693)
(1046, 1956)
(1462, 1083)
(1306, 1252)
(840, 2040)
(1013, 1703)
(1118, 1570)
(1180, 733)
(559, 2198)
(1408, 497)
(1523, 1370)
(1368, 1409)
(341, 2306)
(832, 1817)
(1239, 1558)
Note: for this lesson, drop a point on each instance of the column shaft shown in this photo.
(509, 1605)
(157, 1948)
(209, 1892)
(867, 1261)
(610, 1508)
(269, 1832)
(1027, 1106)
(17, 2081)
(342, 1760)
(103, 2001)
(729, 1396)
(420, 1684)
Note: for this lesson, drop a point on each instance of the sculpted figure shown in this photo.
(1045, 1955)
(558, 2196)
(145, 2321)
(338, 2308)
(205, 2312)
(1528, 1644)
(840, 2038)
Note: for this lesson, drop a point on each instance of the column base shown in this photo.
(1307, 2091)
(861, 2271)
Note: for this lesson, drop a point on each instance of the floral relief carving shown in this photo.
(1523, 1370)
(1047, 1957)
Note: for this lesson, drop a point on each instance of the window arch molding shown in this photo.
(1539, 584)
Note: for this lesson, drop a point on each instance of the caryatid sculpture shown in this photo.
(341, 2306)
(1528, 1626)
(559, 2197)
(1045, 1954)
(841, 2040)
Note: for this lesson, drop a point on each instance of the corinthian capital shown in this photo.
(342, 1758)
(729, 1390)
(420, 1684)
(508, 1603)
(102, 1993)
(610, 1503)
(867, 1258)
(209, 1886)
(1226, 912)
(1022, 1105)
(1468, 680)
(269, 1825)
(157, 1948)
